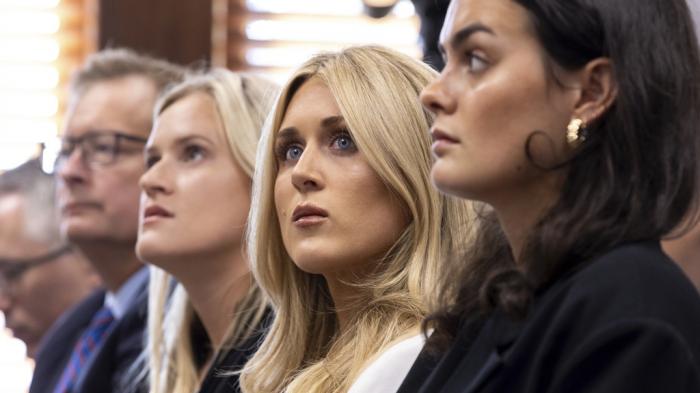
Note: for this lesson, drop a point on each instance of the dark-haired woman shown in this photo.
(577, 121)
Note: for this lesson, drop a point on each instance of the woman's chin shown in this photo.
(152, 253)
(447, 180)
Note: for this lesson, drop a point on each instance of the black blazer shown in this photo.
(629, 321)
(112, 360)
(57, 345)
(219, 378)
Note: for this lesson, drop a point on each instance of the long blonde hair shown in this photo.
(377, 92)
(243, 102)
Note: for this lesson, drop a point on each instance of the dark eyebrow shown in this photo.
(332, 121)
(286, 133)
(293, 132)
(464, 33)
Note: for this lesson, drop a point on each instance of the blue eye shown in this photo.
(344, 143)
(293, 153)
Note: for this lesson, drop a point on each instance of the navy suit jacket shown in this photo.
(629, 321)
(57, 344)
(110, 362)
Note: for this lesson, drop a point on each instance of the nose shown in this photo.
(156, 179)
(436, 98)
(305, 174)
(72, 169)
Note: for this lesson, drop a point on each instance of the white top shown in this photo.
(386, 372)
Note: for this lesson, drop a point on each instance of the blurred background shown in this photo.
(43, 41)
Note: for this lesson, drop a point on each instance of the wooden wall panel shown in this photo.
(176, 30)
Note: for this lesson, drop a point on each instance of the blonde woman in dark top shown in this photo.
(205, 312)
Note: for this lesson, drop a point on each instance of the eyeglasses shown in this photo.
(12, 270)
(98, 147)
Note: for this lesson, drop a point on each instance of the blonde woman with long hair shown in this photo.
(346, 231)
(205, 310)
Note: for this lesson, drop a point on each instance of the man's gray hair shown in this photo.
(37, 190)
(109, 64)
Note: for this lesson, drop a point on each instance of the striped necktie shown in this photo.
(89, 340)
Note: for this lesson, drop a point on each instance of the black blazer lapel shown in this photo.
(493, 363)
(487, 355)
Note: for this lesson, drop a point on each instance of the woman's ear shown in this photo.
(598, 90)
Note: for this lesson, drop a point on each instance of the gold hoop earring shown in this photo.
(575, 132)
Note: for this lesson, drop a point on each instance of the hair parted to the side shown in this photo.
(635, 177)
(377, 92)
(109, 64)
(242, 103)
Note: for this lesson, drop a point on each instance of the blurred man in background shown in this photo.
(109, 118)
(41, 276)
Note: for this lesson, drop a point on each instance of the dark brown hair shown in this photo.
(635, 177)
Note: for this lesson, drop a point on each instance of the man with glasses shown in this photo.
(41, 276)
(98, 166)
